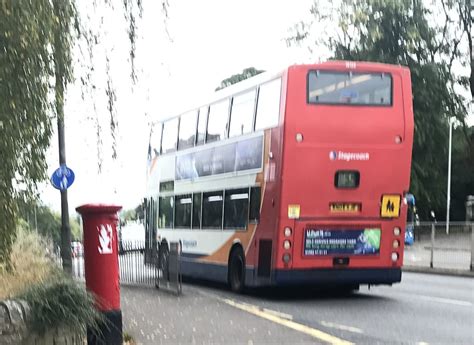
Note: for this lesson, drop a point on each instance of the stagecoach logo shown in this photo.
(105, 239)
(348, 156)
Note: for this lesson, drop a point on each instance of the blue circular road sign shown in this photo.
(62, 178)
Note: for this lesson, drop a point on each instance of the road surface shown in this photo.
(423, 309)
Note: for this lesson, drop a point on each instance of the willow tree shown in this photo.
(26, 38)
(430, 41)
(37, 39)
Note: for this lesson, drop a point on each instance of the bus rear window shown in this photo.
(328, 87)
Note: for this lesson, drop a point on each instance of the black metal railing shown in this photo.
(439, 246)
(157, 265)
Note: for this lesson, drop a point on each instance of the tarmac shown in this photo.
(164, 318)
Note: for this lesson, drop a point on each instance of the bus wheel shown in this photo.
(237, 270)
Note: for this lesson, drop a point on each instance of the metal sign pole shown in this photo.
(448, 194)
(472, 246)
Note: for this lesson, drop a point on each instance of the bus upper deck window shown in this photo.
(268, 107)
(217, 121)
(155, 140)
(241, 116)
(349, 88)
(170, 135)
(201, 128)
(187, 130)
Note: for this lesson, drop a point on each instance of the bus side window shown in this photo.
(197, 202)
(212, 210)
(268, 107)
(236, 208)
(165, 213)
(187, 130)
(241, 116)
(217, 121)
(155, 140)
(182, 216)
(254, 212)
(170, 135)
(201, 128)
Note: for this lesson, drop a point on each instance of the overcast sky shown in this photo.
(208, 41)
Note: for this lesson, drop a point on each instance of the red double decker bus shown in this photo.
(296, 177)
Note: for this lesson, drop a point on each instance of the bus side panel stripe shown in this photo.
(242, 237)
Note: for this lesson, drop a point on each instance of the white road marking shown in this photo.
(342, 327)
(446, 300)
(315, 333)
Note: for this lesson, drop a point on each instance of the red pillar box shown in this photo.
(101, 266)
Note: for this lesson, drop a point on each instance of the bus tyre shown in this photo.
(237, 270)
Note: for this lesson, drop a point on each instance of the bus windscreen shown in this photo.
(330, 87)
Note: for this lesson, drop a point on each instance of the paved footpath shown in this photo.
(450, 253)
(152, 316)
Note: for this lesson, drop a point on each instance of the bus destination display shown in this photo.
(337, 241)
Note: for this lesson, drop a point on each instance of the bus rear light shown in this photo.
(397, 231)
(286, 258)
(394, 257)
(396, 244)
(287, 231)
(287, 245)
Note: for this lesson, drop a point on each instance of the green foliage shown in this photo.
(404, 32)
(462, 171)
(128, 215)
(61, 303)
(30, 263)
(36, 43)
(246, 73)
(140, 212)
(32, 33)
(55, 300)
(25, 118)
(46, 221)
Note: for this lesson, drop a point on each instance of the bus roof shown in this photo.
(270, 75)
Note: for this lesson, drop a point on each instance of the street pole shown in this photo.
(448, 194)
(65, 227)
(59, 94)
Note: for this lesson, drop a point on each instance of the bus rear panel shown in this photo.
(348, 134)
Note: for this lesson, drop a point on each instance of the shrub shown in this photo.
(61, 303)
(30, 264)
(55, 301)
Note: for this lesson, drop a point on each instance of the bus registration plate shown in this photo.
(323, 241)
(340, 207)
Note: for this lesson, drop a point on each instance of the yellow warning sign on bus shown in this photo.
(390, 206)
